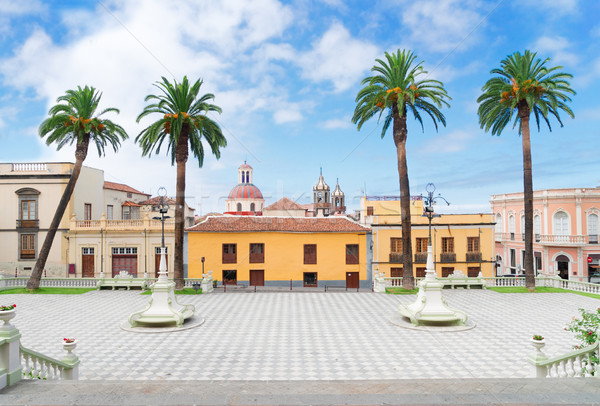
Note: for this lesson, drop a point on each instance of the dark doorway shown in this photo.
(562, 266)
(87, 265)
(230, 277)
(352, 280)
(310, 280)
(257, 277)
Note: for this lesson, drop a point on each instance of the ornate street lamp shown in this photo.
(428, 202)
(163, 208)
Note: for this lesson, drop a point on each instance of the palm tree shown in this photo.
(183, 124)
(400, 85)
(524, 84)
(74, 120)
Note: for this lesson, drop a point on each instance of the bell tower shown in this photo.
(338, 199)
(321, 197)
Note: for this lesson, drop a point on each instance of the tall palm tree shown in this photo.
(524, 84)
(183, 125)
(74, 120)
(400, 85)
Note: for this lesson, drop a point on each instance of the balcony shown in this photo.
(563, 240)
(140, 224)
(28, 223)
(593, 239)
(448, 257)
(420, 257)
(473, 256)
(396, 257)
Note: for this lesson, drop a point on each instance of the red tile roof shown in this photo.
(284, 204)
(122, 188)
(130, 203)
(282, 224)
(156, 201)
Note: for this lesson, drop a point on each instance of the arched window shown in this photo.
(239, 207)
(537, 227)
(522, 227)
(561, 226)
(592, 228)
(511, 226)
(498, 222)
(252, 207)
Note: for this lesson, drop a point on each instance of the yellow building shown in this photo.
(277, 251)
(462, 242)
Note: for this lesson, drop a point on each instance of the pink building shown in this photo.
(565, 233)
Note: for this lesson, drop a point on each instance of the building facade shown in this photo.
(277, 251)
(461, 242)
(565, 231)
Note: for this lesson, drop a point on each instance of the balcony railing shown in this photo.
(473, 256)
(563, 240)
(121, 224)
(28, 223)
(448, 257)
(420, 257)
(396, 257)
(593, 239)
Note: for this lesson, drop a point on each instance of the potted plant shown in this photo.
(214, 283)
(538, 342)
(7, 312)
(69, 344)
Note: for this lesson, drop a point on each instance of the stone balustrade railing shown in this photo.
(29, 167)
(146, 223)
(21, 282)
(39, 366)
(578, 363)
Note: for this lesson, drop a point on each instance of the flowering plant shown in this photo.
(9, 307)
(586, 331)
(69, 340)
(538, 337)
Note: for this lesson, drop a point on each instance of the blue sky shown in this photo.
(286, 74)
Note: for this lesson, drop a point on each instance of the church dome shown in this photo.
(337, 191)
(245, 191)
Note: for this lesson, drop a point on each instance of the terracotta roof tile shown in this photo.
(123, 188)
(156, 201)
(282, 224)
(284, 204)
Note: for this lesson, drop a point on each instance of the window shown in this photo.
(157, 250)
(498, 222)
(129, 195)
(369, 210)
(447, 271)
(126, 213)
(592, 228)
(109, 212)
(420, 273)
(351, 254)
(27, 250)
(537, 256)
(310, 254)
(396, 273)
(28, 211)
(513, 260)
(230, 277)
(523, 260)
(252, 207)
(396, 245)
(511, 226)
(522, 225)
(472, 244)
(124, 250)
(310, 279)
(537, 227)
(473, 271)
(229, 254)
(257, 253)
(87, 211)
(561, 223)
(239, 207)
(447, 244)
(87, 251)
(422, 244)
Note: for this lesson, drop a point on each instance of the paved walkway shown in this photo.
(298, 336)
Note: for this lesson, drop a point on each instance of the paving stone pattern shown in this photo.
(298, 336)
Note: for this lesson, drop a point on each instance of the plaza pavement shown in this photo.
(298, 336)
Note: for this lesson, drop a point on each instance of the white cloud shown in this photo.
(554, 8)
(339, 58)
(442, 24)
(449, 143)
(12, 8)
(287, 116)
(558, 48)
(335, 123)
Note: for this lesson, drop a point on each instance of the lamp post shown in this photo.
(429, 201)
(163, 208)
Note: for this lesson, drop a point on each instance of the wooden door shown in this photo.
(157, 264)
(257, 277)
(352, 280)
(124, 263)
(87, 265)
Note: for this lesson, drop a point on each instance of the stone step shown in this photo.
(581, 391)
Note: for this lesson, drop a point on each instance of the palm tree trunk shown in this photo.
(524, 112)
(80, 154)
(400, 133)
(181, 156)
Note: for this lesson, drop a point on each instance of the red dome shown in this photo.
(245, 191)
(245, 166)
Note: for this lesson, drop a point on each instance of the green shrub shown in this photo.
(586, 331)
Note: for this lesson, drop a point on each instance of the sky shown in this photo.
(286, 75)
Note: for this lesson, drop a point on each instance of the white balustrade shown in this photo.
(29, 167)
(576, 363)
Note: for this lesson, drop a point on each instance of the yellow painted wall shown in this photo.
(284, 254)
